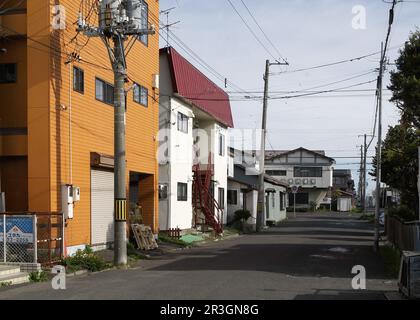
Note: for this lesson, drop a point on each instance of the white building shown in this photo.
(276, 201)
(194, 119)
(311, 171)
(243, 190)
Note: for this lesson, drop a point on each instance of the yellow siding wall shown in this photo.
(38, 105)
(92, 120)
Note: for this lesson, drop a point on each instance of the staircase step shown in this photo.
(8, 269)
(13, 279)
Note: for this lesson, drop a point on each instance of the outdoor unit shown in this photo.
(409, 279)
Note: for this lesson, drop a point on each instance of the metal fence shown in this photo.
(31, 238)
(404, 235)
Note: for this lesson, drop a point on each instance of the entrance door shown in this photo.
(102, 207)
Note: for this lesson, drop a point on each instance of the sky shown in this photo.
(306, 33)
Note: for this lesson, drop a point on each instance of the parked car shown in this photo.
(382, 218)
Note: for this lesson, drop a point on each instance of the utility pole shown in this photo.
(261, 189)
(361, 177)
(379, 152)
(364, 174)
(118, 19)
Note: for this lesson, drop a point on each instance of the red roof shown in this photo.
(193, 85)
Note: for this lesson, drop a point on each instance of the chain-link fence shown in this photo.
(50, 237)
(31, 237)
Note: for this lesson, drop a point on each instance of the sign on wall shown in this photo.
(19, 230)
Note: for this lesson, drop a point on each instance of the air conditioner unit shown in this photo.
(298, 182)
(409, 279)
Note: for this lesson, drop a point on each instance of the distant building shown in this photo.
(343, 190)
(311, 171)
(243, 190)
(342, 180)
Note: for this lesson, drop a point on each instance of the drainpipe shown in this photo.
(168, 216)
(70, 126)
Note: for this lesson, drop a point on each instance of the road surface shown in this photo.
(308, 257)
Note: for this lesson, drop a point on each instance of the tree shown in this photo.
(405, 82)
(400, 163)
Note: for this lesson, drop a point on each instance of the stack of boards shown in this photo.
(144, 237)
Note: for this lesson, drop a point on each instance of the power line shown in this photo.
(252, 31)
(265, 35)
(332, 63)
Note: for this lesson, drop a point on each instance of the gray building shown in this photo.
(311, 171)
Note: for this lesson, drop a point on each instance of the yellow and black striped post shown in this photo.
(120, 210)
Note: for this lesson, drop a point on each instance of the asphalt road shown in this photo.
(308, 257)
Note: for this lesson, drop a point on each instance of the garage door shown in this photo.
(102, 207)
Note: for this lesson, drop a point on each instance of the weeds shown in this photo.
(38, 276)
(392, 260)
(85, 260)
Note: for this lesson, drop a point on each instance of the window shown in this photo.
(8, 73)
(182, 122)
(144, 22)
(301, 199)
(232, 197)
(276, 173)
(306, 172)
(104, 92)
(78, 80)
(141, 95)
(221, 145)
(221, 200)
(182, 191)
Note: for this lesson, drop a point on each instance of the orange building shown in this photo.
(56, 117)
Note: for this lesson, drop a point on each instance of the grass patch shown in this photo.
(5, 284)
(356, 210)
(38, 276)
(165, 239)
(392, 260)
(368, 217)
(85, 260)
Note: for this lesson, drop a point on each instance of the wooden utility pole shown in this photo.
(379, 153)
(261, 189)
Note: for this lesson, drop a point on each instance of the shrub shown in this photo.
(403, 212)
(242, 215)
(85, 260)
(38, 276)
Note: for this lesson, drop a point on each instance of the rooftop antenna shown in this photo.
(168, 25)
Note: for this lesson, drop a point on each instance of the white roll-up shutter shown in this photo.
(102, 207)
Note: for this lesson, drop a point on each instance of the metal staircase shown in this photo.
(207, 210)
